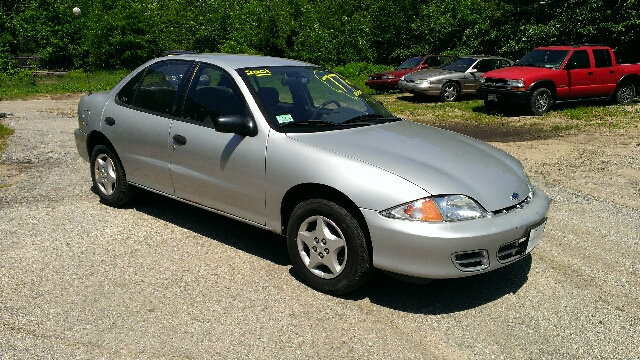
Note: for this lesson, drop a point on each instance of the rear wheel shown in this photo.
(108, 176)
(450, 92)
(625, 93)
(327, 247)
(540, 101)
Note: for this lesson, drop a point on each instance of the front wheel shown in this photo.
(450, 92)
(625, 93)
(540, 101)
(327, 247)
(108, 176)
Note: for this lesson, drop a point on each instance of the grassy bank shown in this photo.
(24, 84)
(5, 132)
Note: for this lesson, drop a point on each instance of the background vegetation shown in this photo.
(119, 34)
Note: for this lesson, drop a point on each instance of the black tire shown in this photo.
(321, 232)
(450, 92)
(540, 101)
(625, 93)
(109, 178)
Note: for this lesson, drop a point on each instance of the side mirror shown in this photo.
(236, 124)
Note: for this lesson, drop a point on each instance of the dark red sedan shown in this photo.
(388, 80)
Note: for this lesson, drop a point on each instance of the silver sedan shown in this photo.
(296, 149)
(449, 82)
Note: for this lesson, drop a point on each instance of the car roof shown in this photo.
(479, 57)
(239, 61)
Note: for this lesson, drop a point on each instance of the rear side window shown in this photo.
(155, 89)
(602, 58)
(128, 91)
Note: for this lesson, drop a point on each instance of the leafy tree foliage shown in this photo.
(114, 34)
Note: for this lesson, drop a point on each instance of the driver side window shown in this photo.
(212, 93)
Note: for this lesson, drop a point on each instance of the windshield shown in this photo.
(459, 64)
(411, 63)
(552, 59)
(305, 99)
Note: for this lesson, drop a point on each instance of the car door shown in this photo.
(137, 122)
(580, 75)
(605, 75)
(222, 171)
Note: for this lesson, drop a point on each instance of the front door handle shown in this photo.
(109, 121)
(179, 140)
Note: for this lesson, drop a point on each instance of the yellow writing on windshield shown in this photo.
(262, 72)
(339, 84)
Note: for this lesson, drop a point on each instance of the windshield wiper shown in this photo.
(369, 119)
(308, 123)
(530, 65)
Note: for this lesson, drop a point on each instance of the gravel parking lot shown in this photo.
(161, 279)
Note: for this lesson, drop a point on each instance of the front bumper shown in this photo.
(441, 250)
(503, 95)
(421, 88)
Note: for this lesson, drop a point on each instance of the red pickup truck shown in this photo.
(558, 73)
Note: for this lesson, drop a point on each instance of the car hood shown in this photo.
(519, 73)
(439, 161)
(429, 74)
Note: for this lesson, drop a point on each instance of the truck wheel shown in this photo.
(625, 93)
(540, 101)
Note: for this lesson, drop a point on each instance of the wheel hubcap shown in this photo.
(542, 101)
(322, 247)
(626, 94)
(105, 174)
(450, 92)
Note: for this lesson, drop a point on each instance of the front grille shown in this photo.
(471, 260)
(495, 82)
(513, 250)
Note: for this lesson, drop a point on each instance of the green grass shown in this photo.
(5, 133)
(24, 84)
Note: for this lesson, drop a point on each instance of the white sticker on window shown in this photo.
(283, 119)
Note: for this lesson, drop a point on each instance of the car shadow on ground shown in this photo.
(436, 297)
(250, 239)
(447, 295)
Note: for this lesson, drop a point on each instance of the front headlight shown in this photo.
(446, 208)
(481, 80)
(515, 84)
(388, 76)
(423, 81)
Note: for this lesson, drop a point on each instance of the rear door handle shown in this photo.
(589, 73)
(109, 121)
(179, 140)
